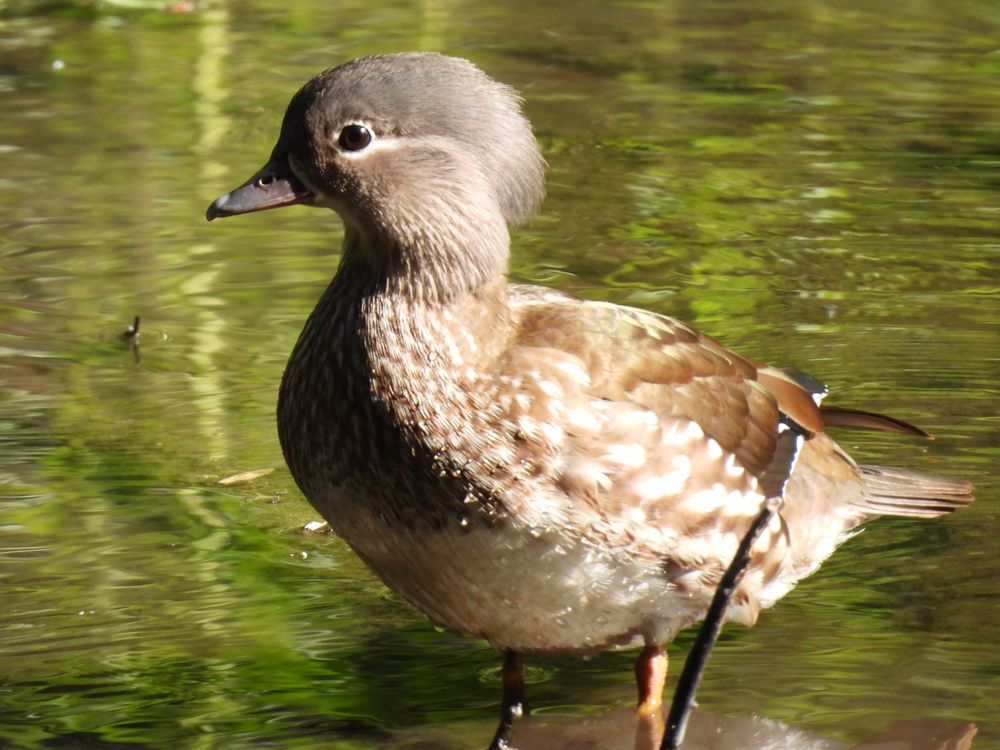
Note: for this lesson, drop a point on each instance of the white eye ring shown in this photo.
(354, 137)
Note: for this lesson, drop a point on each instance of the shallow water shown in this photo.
(812, 183)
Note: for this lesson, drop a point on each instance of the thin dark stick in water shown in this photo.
(708, 634)
(131, 337)
(132, 332)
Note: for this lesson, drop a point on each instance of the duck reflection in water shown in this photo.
(614, 731)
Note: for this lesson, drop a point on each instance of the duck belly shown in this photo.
(526, 589)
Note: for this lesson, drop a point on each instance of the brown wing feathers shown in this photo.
(662, 351)
(887, 491)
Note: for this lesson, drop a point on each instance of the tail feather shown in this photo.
(838, 416)
(900, 492)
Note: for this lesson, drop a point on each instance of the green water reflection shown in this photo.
(811, 182)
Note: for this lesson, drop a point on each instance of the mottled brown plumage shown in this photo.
(548, 473)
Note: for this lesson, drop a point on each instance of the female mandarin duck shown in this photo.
(548, 473)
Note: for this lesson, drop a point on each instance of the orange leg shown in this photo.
(650, 676)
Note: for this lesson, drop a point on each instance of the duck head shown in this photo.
(415, 151)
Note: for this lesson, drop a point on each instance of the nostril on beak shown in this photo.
(264, 180)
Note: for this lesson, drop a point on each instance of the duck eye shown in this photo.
(354, 137)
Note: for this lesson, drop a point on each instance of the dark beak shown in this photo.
(272, 187)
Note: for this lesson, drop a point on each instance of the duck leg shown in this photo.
(514, 704)
(650, 676)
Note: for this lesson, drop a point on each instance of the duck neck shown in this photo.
(443, 305)
(394, 362)
(405, 328)
(435, 258)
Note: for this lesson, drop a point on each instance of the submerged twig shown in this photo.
(131, 333)
(131, 337)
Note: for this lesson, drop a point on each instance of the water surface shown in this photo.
(811, 183)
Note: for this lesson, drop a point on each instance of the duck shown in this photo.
(548, 473)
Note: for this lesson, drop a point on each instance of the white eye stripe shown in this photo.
(378, 143)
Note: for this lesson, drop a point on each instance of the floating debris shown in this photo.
(244, 476)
